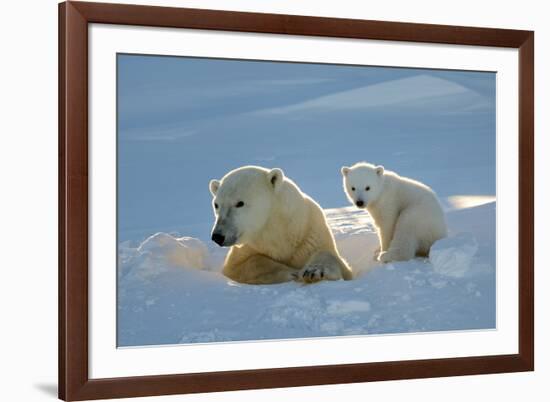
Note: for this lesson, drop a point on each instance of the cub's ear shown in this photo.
(379, 170)
(344, 170)
(275, 177)
(214, 186)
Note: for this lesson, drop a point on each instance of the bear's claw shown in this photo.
(312, 274)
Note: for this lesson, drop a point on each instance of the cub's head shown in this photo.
(242, 202)
(363, 183)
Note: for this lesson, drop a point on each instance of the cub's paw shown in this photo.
(376, 254)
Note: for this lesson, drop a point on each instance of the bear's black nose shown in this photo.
(359, 203)
(218, 238)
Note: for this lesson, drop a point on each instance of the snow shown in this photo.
(184, 121)
(453, 256)
(171, 289)
(399, 92)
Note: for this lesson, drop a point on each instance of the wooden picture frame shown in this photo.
(74, 381)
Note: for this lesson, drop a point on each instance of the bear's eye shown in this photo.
(367, 188)
(215, 205)
(353, 189)
(239, 204)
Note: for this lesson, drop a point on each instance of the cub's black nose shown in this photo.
(218, 238)
(359, 203)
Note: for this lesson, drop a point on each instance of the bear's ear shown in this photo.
(214, 186)
(275, 177)
(344, 170)
(379, 170)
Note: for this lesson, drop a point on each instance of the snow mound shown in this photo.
(453, 256)
(162, 252)
(455, 202)
(183, 251)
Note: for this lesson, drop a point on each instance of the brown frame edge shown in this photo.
(74, 382)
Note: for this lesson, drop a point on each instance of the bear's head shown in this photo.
(363, 183)
(242, 202)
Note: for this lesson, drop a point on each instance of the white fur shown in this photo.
(278, 234)
(406, 212)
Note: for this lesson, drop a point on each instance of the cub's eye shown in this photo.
(239, 204)
(367, 188)
(353, 189)
(215, 205)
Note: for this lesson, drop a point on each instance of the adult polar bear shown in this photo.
(406, 212)
(276, 232)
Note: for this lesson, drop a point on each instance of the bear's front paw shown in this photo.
(384, 257)
(311, 274)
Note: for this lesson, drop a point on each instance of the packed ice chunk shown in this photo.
(453, 256)
(342, 307)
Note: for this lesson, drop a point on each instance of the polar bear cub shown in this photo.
(406, 212)
(275, 231)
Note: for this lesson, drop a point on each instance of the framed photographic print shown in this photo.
(258, 200)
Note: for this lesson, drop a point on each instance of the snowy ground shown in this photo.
(171, 290)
